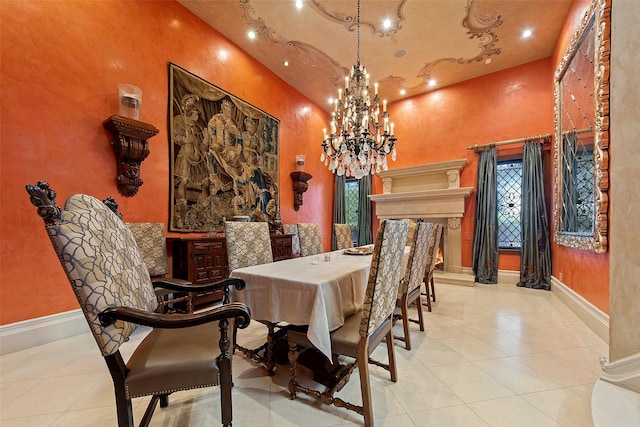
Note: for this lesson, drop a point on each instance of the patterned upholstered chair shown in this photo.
(434, 244)
(152, 246)
(412, 229)
(101, 260)
(362, 331)
(343, 236)
(409, 290)
(295, 239)
(310, 239)
(248, 243)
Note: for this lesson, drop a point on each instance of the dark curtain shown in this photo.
(535, 259)
(569, 218)
(485, 234)
(338, 207)
(365, 235)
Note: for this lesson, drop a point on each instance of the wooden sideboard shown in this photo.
(204, 260)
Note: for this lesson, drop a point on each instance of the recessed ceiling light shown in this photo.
(386, 24)
(251, 34)
(432, 82)
(299, 4)
(223, 54)
(285, 63)
(330, 100)
(526, 34)
(403, 92)
(487, 61)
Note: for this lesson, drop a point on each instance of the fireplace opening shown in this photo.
(440, 254)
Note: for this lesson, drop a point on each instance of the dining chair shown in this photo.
(432, 260)
(295, 239)
(248, 243)
(364, 330)
(310, 239)
(151, 241)
(344, 239)
(412, 229)
(409, 291)
(112, 285)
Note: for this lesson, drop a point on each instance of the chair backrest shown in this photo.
(152, 246)
(418, 257)
(412, 229)
(310, 239)
(434, 244)
(344, 239)
(248, 243)
(295, 239)
(100, 257)
(386, 265)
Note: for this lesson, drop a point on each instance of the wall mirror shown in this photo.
(582, 134)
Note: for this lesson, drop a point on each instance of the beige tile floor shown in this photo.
(490, 356)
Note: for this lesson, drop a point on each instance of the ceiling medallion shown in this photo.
(360, 137)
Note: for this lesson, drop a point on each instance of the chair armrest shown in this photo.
(185, 286)
(236, 310)
(165, 282)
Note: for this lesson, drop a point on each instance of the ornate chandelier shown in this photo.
(361, 137)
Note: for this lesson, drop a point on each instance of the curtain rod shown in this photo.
(578, 131)
(545, 138)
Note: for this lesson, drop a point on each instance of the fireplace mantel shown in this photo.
(432, 192)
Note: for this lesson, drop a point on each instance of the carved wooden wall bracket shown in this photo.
(131, 148)
(299, 186)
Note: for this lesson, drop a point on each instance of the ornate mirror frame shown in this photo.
(598, 18)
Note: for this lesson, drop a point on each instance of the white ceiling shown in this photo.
(446, 40)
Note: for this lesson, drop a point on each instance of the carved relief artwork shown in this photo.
(224, 156)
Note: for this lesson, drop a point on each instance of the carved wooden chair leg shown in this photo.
(269, 352)
(433, 291)
(294, 352)
(405, 322)
(420, 314)
(164, 400)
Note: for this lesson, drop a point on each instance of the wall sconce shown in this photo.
(131, 148)
(300, 185)
(300, 162)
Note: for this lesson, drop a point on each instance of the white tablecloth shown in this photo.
(298, 292)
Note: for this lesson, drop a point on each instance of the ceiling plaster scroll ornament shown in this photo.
(350, 21)
(480, 27)
(310, 54)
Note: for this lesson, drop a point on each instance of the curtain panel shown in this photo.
(338, 208)
(365, 235)
(485, 235)
(535, 259)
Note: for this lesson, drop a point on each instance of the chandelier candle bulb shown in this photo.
(375, 85)
(384, 106)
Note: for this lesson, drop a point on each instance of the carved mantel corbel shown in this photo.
(300, 185)
(131, 148)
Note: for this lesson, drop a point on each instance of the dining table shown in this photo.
(319, 291)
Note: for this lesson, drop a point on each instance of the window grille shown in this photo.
(509, 187)
(351, 198)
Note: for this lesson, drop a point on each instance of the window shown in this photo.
(509, 183)
(351, 200)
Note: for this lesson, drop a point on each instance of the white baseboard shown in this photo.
(41, 330)
(624, 372)
(592, 316)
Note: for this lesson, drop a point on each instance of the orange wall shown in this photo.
(438, 126)
(61, 63)
(587, 273)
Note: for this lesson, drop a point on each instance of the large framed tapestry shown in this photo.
(224, 156)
